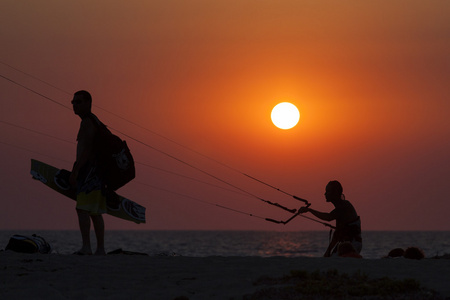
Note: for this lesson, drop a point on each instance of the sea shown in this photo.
(376, 244)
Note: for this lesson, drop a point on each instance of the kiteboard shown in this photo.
(58, 180)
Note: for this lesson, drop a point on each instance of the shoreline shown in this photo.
(238, 243)
(55, 276)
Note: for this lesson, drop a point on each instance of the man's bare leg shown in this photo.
(84, 222)
(99, 227)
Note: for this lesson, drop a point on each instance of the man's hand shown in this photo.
(303, 210)
(73, 179)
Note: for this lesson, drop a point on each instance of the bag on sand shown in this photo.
(116, 164)
(28, 244)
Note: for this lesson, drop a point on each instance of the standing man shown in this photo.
(348, 223)
(91, 200)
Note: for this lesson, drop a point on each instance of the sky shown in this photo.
(197, 80)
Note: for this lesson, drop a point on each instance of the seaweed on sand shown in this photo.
(332, 285)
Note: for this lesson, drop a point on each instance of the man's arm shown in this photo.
(85, 148)
(321, 215)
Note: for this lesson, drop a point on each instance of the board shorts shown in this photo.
(357, 245)
(90, 191)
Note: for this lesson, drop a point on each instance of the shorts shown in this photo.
(356, 243)
(90, 191)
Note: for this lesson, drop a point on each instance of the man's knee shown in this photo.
(82, 212)
(97, 217)
(97, 220)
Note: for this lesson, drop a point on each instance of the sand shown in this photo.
(55, 276)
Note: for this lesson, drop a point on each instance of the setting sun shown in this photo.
(285, 115)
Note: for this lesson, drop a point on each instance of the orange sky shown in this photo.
(370, 80)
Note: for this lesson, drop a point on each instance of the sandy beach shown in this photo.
(121, 276)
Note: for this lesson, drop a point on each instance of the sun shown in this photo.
(285, 115)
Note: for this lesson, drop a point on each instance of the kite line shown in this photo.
(293, 211)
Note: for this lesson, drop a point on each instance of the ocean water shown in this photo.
(376, 244)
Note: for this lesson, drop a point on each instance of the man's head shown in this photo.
(333, 191)
(82, 103)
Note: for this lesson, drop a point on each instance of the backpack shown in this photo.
(25, 244)
(115, 162)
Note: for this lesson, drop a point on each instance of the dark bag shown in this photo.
(116, 164)
(26, 244)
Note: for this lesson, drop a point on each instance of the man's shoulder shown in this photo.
(343, 205)
(347, 202)
(88, 125)
(346, 205)
(91, 120)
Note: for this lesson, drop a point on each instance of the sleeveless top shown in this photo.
(348, 223)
